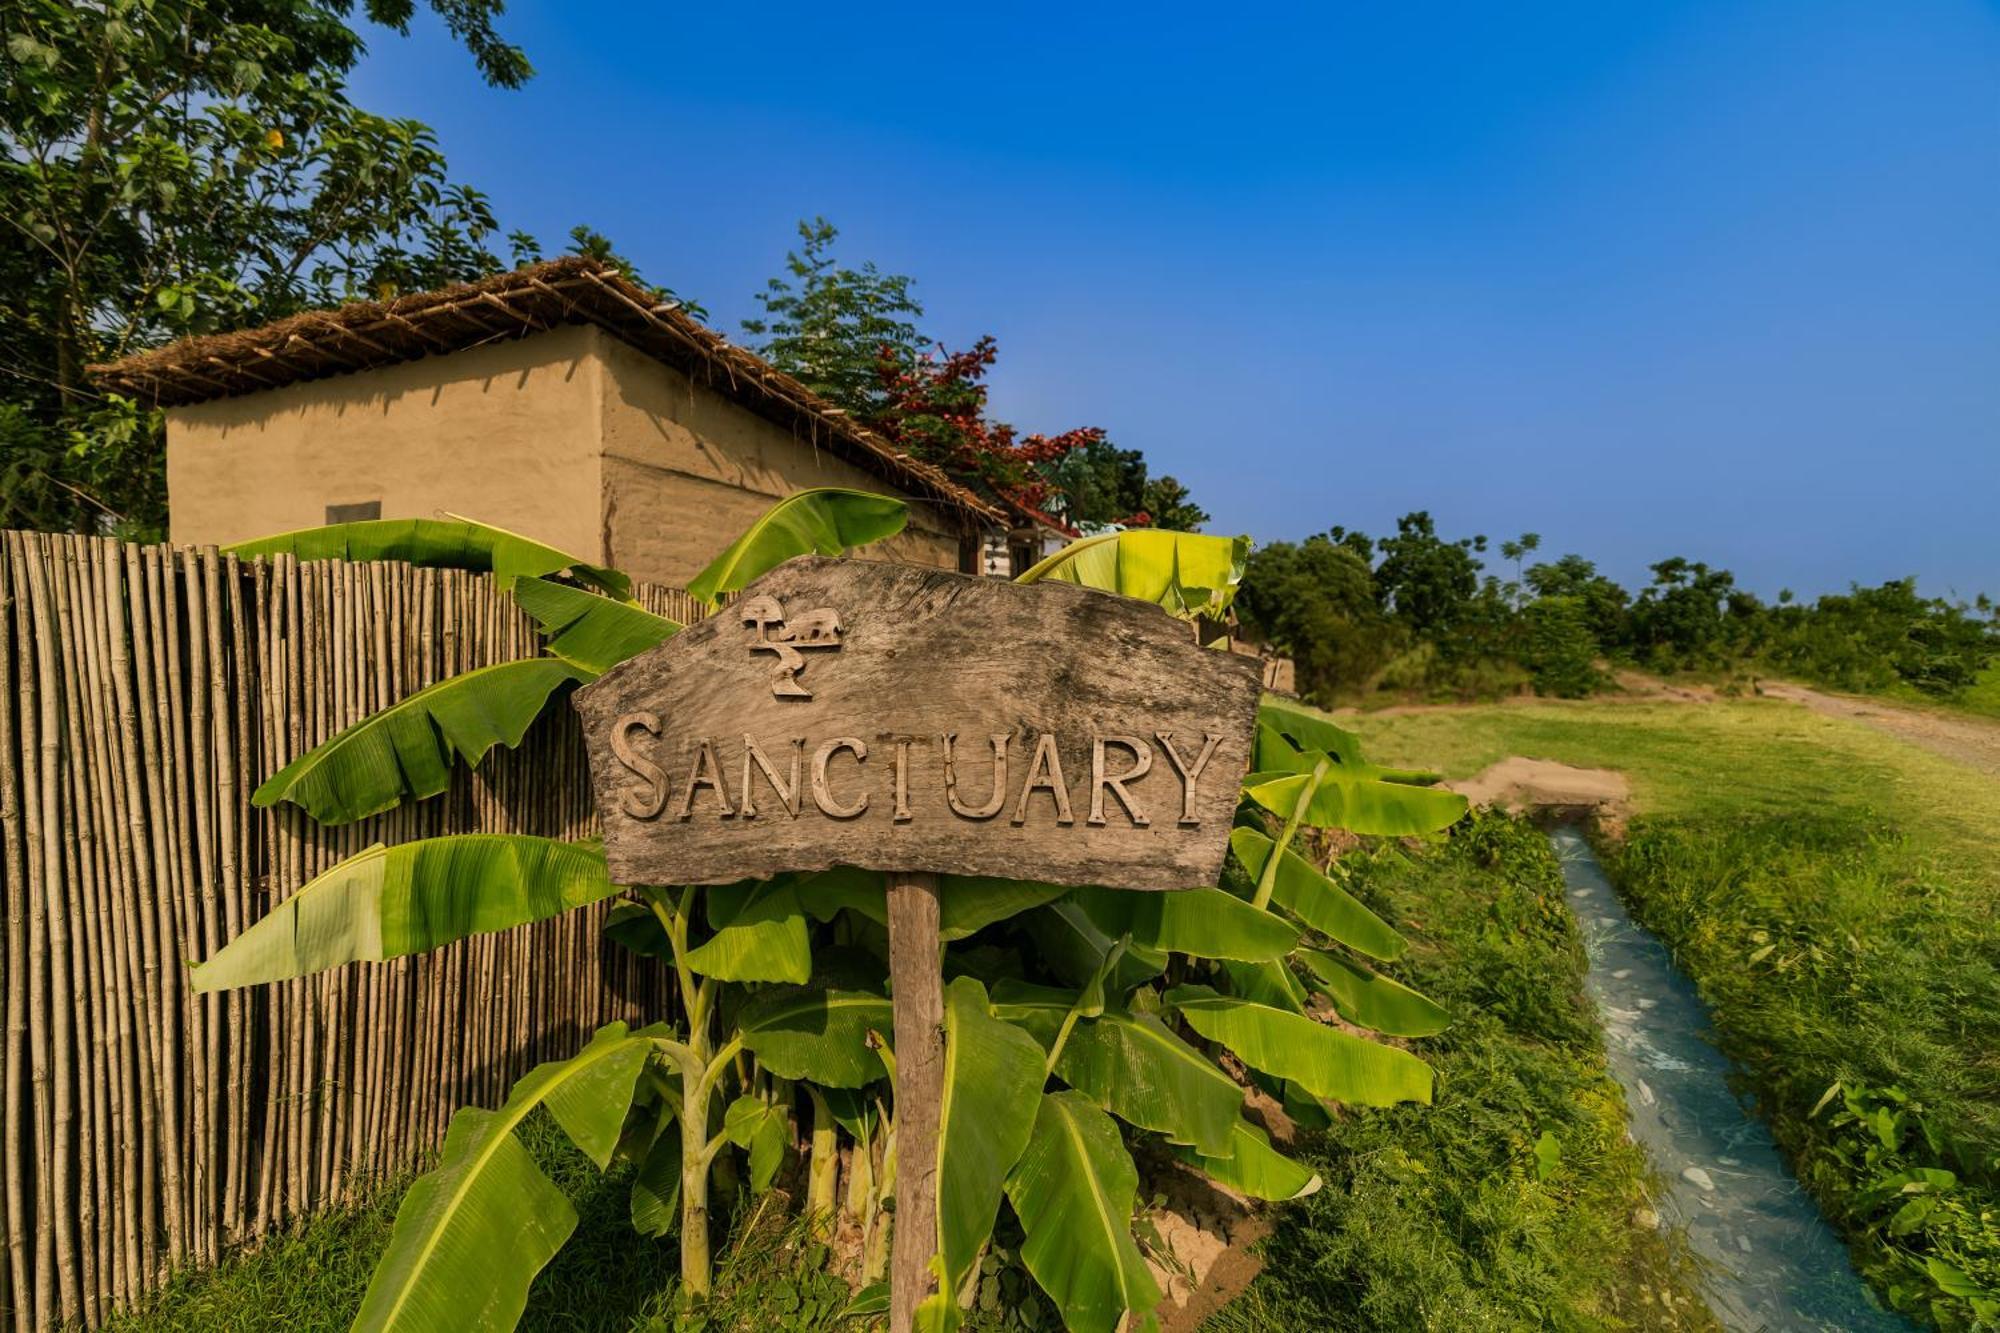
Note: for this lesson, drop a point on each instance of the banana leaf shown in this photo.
(1319, 1059)
(1130, 1064)
(992, 1087)
(1073, 946)
(656, 1185)
(407, 749)
(829, 520)
(760, 933)
(819, 1036)
(760, 1129)
(1255, 1168)
(1275, 750)
(454, 543)
(591, 632)
(1369, 1000)
(387, 902)
(1316, 900)
(1359, 805)
(967, 904)
(1270, 984)
(1189, 573)
(471, 1234)
(1203, 923)
(1074, 1190)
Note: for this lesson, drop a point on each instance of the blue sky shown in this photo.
(1712, 279)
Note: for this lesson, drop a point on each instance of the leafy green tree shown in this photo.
(1168, 505)
(1604, 602)
(1561, 651)
(832, 327)
(1099, 483)
(1428, 583)
(1683, 619)
(1315, 602)
(180, 167)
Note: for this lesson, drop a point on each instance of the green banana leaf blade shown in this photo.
(1131, 1065)
(1324, 1062)
(1316, 900)
(1359, 805)
(968, 903)
(1073, 1190)
(1372, 1001)
(819, 1036)
(387, 902)
(471, 1235)
(992, 1089)
(406, 750)
(828, 520)
(1189, 573)
(760, 934)
(455, 543)
(1202, 923)
(590, 632)
(1255, 1168)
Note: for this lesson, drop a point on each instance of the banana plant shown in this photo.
(470, 1236)
(1042, 1066)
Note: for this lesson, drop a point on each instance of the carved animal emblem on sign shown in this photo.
(770, 634)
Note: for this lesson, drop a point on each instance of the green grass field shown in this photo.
(1833, 893)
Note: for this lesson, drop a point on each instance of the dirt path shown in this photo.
(1973, 741)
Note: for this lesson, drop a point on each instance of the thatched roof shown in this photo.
(364, 335)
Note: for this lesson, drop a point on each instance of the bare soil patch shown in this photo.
(1973, 741)
(1519, 784)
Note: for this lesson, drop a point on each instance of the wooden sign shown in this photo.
(897, 718)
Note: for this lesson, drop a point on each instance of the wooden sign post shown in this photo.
(846, 712)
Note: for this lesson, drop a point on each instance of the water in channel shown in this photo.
(1771, 1262)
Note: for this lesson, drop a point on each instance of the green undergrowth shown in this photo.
(607, 1279)
(1855, 980)
(1516, 1201)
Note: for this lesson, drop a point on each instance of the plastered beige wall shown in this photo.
(570, 437)
(686, 471)
(507, 434)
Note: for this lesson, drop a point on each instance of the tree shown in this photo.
(833, 327)
(1524, 545)
(935, 409)
(1603, 600)
(1168, 505)
(1426, 581)
(1097, 483)
(1315, 602)
(1681, 619)
(183, 167)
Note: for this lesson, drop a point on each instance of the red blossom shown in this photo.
(937, 412)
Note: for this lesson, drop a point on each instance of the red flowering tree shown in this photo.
(936, 411)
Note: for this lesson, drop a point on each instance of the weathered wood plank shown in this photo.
(877, 715)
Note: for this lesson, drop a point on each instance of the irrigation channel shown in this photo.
(1769, 1260)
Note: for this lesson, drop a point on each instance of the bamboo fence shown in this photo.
(144, 693)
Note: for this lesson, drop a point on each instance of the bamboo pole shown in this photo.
(13, 872)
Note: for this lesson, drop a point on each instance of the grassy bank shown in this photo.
(1515, 1202)
(1833, 894)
